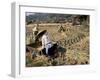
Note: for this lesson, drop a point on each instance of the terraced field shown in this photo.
(73, 45)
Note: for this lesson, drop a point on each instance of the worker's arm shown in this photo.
(43, 42)
(43, 45)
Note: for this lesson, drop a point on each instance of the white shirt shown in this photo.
(45, 40)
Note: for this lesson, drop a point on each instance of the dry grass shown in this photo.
(77, 53)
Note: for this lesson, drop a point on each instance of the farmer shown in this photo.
(35, 31)
(46, 42)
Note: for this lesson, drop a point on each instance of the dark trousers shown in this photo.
(51, 51)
